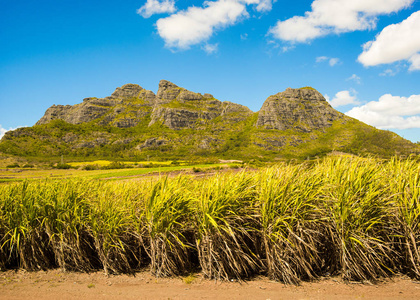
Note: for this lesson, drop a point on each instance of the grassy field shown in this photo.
(102, 163)
(357, 218)
(21, 174)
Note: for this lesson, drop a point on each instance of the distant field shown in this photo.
(20, 174)
(102, 163)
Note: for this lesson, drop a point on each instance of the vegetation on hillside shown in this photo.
(214, 139)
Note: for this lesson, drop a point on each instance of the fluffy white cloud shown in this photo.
(343, 98)
(152, 7)
(335, 16)
(390, 112)
(197, 24)
(264, 5)
(395, 42)
(332, 61)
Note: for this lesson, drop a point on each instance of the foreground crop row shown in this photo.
(358, 218)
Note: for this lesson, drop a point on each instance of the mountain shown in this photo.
(297, 109)
(178, 124)
(131, 105)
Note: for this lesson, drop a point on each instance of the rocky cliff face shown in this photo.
(126, 107)
(179, 108)
(302, 109)
(130, 104)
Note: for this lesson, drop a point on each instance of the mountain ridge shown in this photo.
(131, 103)
(135, 122)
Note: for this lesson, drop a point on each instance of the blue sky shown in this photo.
(362, 55)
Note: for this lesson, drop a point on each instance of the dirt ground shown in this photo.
(58, 285)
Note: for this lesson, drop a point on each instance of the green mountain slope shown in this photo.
(134, 123)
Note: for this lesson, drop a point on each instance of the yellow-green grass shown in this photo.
(14, 175)
(102, 163)
(357, 218)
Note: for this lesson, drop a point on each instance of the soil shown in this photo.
(55, 284)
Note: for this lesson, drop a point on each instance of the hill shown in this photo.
(134, 123)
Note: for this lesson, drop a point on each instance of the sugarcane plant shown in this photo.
(23, 237)
(405, 182)
(357, 206)
(166, 219)
(113, 227)
(289, 222)
(223, 219)
(66, 211)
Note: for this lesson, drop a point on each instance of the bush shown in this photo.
(62, 166)
(14, 165)
(116, 165)
(90, 167)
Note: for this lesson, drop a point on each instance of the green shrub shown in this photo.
(196, 170)
(14, 165)
(62, 166)
(91, 167)
(115, 165)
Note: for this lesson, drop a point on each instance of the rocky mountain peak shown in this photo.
(179, 108)
(129, 105)
(303, 109)
(165, 84)
(305, 94)
(127, 91)
(168, 90)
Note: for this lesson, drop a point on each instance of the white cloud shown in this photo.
(321, 59)
(415, 62)
(287, 48)
(244, 36)
(355, 78)
(265, 5)
(332, 61)
(343, 98)
(395, 42)
(335, 16)
(388, 72)
(211, 48)
(152, 7)
(2, 131)
(197, 24)
(390, 112)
